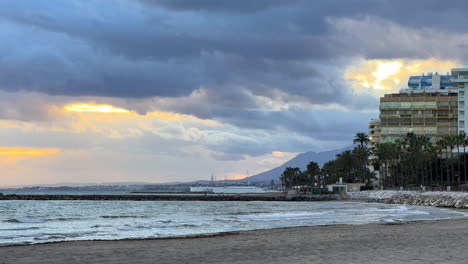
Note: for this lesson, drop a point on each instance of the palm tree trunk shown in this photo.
(436, 170)
(448, 171)
(452, 168)
(440, 180)
(430, 170)
(458, 161)
(464, 165)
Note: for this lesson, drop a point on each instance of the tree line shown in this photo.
(411, 161)
(417, 161)
(350, 165)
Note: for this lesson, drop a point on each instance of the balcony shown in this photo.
(460, 78)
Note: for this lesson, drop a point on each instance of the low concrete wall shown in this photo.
(439, 199)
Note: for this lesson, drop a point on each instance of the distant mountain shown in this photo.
(299, 161)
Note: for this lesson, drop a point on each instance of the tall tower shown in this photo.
(460, 80)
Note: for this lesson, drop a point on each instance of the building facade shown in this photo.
(374, 132)
(374, 139)
(433, 105)
(460, 80)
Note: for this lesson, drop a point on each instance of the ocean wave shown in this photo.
(122, 216)
(25, 221)
(99, 226)
(19, 229)
(83, 221)
(64, 219)
(285, 215)
(54, 236)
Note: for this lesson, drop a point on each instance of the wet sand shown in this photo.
(443, 241)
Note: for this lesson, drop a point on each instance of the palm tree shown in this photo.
(460, 139)
(290, 177)
(441, 146)
(412, 147)
(361, 156)
(432, 153)
(425, 150)
(385, 152)
(345, 161)
(361, 138)
(330, 171)
(399, 147)
(313, 170)
(450, 144)
(464, 144)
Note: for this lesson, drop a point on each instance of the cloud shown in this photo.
(377, 38)
(131, 51)
(214, 5)
(219, 83)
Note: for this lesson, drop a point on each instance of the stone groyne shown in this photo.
(173, 197)
(438, 199)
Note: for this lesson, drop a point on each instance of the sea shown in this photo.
(32, 222)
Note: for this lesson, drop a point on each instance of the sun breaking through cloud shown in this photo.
(392, 75)
(95, 108)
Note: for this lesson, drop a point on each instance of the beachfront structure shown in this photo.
(460, 80)
(432, 114)
(374, 139)
(338, 188)
(227, 189)
(433, 105)
(374, 133)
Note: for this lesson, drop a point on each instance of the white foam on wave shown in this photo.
(82, 221)
(285, 215)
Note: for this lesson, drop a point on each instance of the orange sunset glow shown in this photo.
(22, 152)
(109, 109)
(236, 176)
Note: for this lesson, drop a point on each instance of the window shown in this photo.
(405, 105)
(418, 104)
(443, 113)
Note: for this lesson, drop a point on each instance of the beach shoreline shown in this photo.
(428, 241)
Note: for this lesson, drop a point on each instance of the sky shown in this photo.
(177, 90)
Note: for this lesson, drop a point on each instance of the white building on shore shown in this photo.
(227, 189)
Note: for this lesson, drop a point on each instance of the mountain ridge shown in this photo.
(300, 161)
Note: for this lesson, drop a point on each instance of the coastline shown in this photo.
(427, 241)
(175, 197)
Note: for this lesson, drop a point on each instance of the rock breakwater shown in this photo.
(438, 199)
(195, 197)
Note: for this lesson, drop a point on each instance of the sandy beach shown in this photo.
(441, 241)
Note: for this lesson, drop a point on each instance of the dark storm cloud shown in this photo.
(254, 64)
(216, 5)
(132, 51)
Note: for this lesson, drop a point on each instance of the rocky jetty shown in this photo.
(175, 197)
(438, 199)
